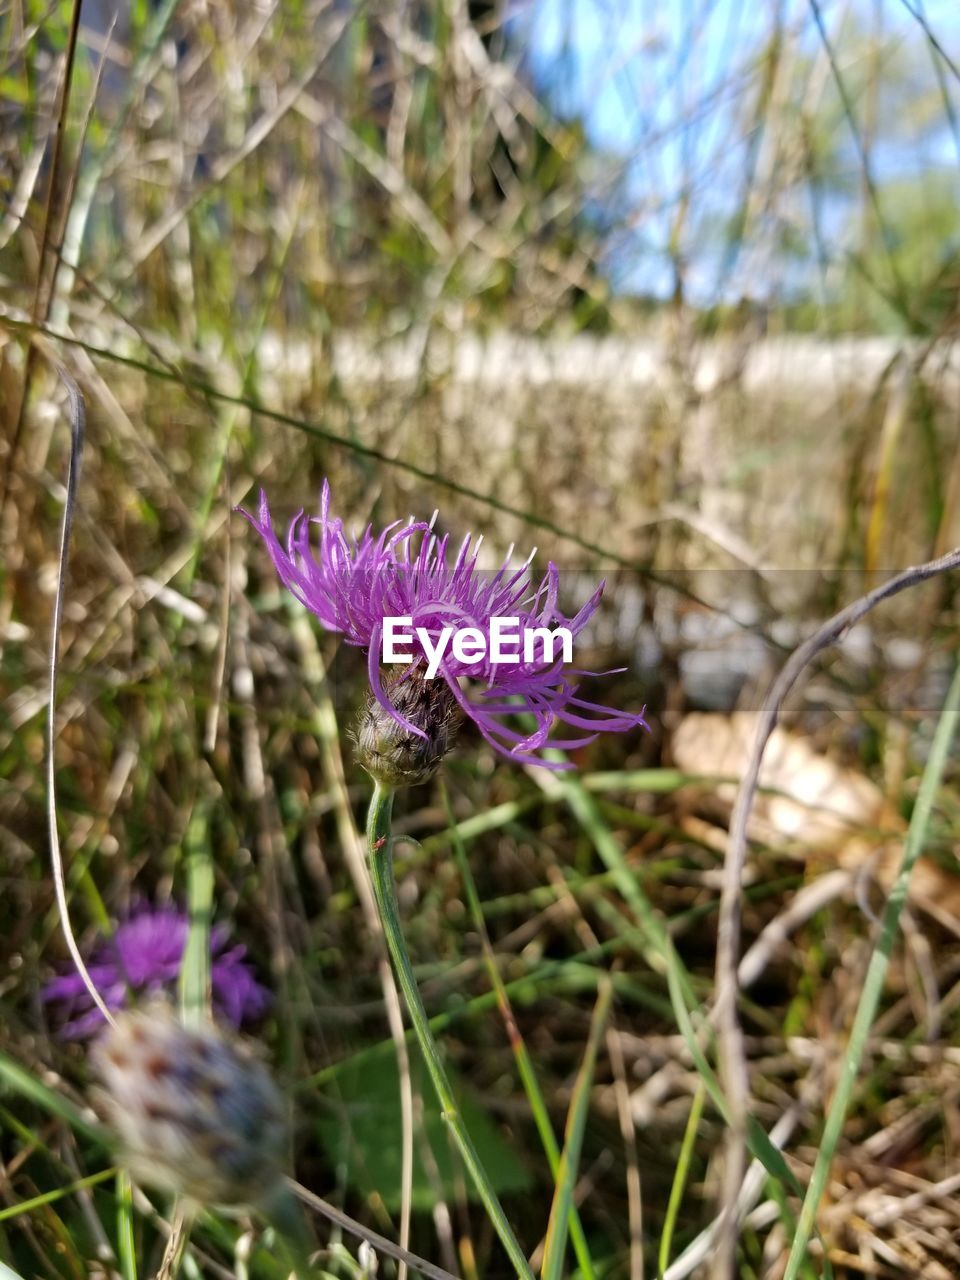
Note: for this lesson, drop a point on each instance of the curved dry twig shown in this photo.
(378, 1242)
(732, 1055)
(77, 423)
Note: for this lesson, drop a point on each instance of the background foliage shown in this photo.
(673, 295)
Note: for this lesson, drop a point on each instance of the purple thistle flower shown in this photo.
(144, 956)
(352, 584)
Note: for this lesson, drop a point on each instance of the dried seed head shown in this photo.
(195, 1111)
(392, 754)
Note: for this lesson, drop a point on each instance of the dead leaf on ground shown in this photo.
(808, 802)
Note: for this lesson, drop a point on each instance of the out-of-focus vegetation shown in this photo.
(707, 350)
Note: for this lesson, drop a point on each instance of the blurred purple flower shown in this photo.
(352, 584)
(144, 956)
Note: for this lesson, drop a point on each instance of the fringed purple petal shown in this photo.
(352, 584)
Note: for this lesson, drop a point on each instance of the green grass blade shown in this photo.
(680, 1176)
(876, 974)
(657, 950)
(656, 946)
(478, 824)
(94, 169)
(31, 1087)
(48, 1197)
(195, 971)
(531, 1088)
(126, 1243)
(556, 1242)
(380, 855)
(229, 418)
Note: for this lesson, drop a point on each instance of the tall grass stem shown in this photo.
(876, 974)
(380, 851)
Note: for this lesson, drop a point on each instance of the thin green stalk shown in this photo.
(538, 1106)
(876, 974)
(656, 948)
(126, 1242)
(29, 1085)
(195, 969)
(556, 1241)
(48, 1197)
(379, 848)
(680, 1176)
(232, 414)
(553, 977)
(655, 944)
(95, 168)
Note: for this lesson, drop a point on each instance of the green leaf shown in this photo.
(364, 1133)
(14, 89)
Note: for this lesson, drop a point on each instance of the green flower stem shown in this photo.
(385, 891)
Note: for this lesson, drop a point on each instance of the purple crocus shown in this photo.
(143, 957)
(352, 584)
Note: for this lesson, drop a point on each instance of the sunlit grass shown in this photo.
(274, 236)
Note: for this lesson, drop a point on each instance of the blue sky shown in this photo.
(665, 87)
